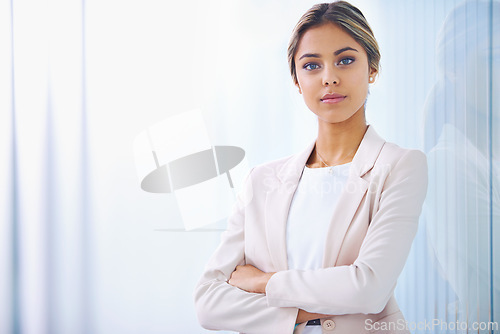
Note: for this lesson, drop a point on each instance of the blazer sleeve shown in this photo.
(221, 306)
(367, 284)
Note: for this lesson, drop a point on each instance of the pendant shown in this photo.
(330, 170)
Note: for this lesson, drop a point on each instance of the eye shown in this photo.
(311, 66)
(346, 61)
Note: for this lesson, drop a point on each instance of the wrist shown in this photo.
(265, 278)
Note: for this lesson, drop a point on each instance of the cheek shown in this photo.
(309, 94)
(361, 84)
(363, 94)
(308, 83)
(307, 87)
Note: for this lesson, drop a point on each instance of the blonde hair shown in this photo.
(347, 17)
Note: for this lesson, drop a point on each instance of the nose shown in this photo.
(330, 77)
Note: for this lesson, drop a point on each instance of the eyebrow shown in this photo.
(347, 48)
(336, 53)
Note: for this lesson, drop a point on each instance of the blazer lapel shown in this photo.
(278, 201)
(352, 195)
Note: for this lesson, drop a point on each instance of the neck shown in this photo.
(337, 142)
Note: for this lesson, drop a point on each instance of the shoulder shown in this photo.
(401, 168)
(398, 178)
(394, 164)
(262, 178)
(267, 173)
(273, 165)
(393, 155)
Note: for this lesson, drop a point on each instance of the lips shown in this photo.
(332, 98)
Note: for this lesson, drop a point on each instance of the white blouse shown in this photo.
(310, 217)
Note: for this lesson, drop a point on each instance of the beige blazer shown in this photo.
(369, 238)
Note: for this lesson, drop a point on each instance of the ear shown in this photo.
(372, 75)
(298, 86)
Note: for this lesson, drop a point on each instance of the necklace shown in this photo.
(330, 170)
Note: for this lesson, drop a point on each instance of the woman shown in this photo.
(295, 259)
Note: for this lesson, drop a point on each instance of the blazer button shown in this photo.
(329, 325)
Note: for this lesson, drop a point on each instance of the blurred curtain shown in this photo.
(44, 226)
(454, 266)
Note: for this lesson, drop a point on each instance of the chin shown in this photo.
(334, 116)
(333, 120)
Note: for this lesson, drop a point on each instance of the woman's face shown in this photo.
(332, 73)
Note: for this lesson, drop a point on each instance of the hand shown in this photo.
(250, 279)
